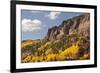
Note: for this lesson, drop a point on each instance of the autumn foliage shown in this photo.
(57, 51)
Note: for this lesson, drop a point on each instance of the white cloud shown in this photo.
(31, 25)
(53, 15)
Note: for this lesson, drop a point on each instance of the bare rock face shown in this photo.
(84, 28)
(52, 33)
(80, 23)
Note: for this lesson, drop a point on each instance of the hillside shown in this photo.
(68, 41)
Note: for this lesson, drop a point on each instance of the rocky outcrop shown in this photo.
(80, 23)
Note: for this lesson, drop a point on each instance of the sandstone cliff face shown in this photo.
(80, 23)
(84, 27)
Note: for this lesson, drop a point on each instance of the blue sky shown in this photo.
(35, 24)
